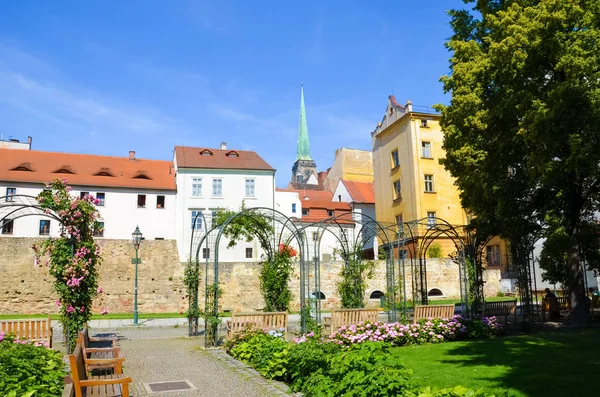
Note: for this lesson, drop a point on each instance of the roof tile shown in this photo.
(192, 157)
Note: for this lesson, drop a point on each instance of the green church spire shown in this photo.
(303, 143)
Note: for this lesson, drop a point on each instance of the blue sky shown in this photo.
(108, 77)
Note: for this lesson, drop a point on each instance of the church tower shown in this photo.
(304, 170)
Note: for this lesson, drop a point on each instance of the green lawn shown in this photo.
(545, 364)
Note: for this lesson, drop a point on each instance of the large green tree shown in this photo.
(522, 130)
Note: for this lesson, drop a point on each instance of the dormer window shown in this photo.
(104, 172)
(141, 175)
(65, 169)
(23, 167)
(232, 153)
(206, 152)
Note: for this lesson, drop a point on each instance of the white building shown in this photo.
(130, 191)
(15, 144)
(209, 180)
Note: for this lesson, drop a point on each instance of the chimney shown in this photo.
(409, 105)
(29, 140)
(132, 155)
(223, 145)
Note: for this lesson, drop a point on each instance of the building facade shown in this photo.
(350, 165)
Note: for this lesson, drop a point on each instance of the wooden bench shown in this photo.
(432, 311)
(106, 385)
(34, 329)
(266, 321)
(347, 317)
(555, 305)
(95, 353)
(504, 308)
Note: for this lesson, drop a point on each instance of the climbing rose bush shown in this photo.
(432, 330)
(73, 257)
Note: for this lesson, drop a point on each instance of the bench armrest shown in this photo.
(105, 361)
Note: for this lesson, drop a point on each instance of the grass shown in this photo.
(562, 363)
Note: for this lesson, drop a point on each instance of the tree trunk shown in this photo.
(576, 284)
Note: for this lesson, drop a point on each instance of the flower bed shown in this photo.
(432, 330)
(356, 361)
(29, 368)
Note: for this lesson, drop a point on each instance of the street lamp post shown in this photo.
(137, 238)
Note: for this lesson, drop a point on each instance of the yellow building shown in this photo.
(350, 165)
(410, 183)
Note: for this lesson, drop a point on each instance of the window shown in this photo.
(293, 208)
(424, 123)
(141, 201)
(399, 219)
(493, 255)
(315, 236)
(217, 188)
(429, 183)
(83, 194)
(99, 231)
(10, 192)
(397, 190)
(431, 218)
(299, 178)
(304, 212)
(160, 201)
(205, 253)
(249, 187)
(198, 221)
(249, 253)
(426, 150)
(214, 217)
(395, 159)
(197, 187)
(44, 227)
(330, 212)
(100, 197)
(7, 226)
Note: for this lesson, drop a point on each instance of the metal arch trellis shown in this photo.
(351, 239)
(17, 206)
(411, 235)
(284, 232)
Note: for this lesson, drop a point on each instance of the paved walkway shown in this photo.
(159, 351)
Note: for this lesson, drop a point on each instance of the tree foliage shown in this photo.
(522, 132)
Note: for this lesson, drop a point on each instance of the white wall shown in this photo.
(120, 213)
(284, 203)
(233, 193)
(341, 191)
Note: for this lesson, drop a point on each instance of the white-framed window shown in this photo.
(395, 159)
(493, 255)
(160, 201)
(304, 211)
(431, 218)
(83, 194)
(429, 183)
(330, 213)
(426, 150)
(99, 231)
(198, 224)
(101, 197)
(249, 190)
(197, 187)
(214, 217)
(44, 227)
(397, 190)
(205, 253)
(141, 201)
(8, 226)
(10, 192)
(217, 187)
(399, 219)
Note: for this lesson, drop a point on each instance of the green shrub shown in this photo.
(266, 353)
(307, 356)
(458, 391)
(28, 370)
(435, 251)
(500, 294)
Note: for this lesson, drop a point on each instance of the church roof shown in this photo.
(303, 151)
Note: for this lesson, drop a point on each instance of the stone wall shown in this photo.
(26, 288)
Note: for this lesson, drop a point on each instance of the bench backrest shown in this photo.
(500, 308)
(78, 371)
(433, 311)
(34, 329)
(269, 320)
(341, 317)
(555, 304)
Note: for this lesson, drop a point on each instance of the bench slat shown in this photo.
(34, 330)
(269, 321)
(433, 311)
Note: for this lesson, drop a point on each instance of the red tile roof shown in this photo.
(193, 157)
(321, 195)
(361, 192)
(85, 169)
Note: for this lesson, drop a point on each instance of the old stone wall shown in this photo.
(26, 288)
